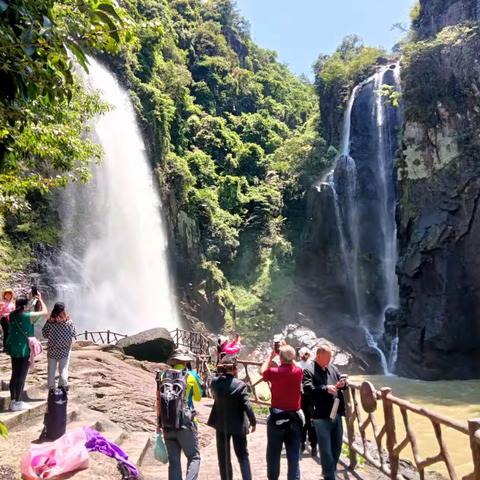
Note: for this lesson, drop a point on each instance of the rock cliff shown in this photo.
(439, 190)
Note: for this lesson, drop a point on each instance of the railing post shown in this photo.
(389, 415)
(350, 419)
(86, 335)
(474, 430)
(108, 337)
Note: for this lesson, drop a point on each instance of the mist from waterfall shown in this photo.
(349, 190)
(113, 269)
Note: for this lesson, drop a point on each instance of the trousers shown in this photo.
(185, 440)
(330, 439)
(224, 457)
(277, 436)
(62, 364)
(19, 375)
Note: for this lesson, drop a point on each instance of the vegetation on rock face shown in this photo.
(232, 133)
(335, 77)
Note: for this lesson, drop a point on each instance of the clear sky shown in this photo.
(299, 30)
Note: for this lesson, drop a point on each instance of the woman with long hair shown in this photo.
(7, 305)
(60, 332)
(21, 327)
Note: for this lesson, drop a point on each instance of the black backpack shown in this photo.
(172, 389)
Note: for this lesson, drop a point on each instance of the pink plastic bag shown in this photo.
(49, 460)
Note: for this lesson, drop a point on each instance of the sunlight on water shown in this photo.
(113, 268)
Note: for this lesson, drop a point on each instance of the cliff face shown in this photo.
(438, 14)
(439, 192)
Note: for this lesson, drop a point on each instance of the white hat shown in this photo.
(303, 351)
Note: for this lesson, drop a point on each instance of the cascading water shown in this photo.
(112, 272)
(363, 188)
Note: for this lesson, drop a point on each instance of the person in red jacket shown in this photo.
(286, 419)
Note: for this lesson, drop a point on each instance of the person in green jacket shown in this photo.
(21, 326)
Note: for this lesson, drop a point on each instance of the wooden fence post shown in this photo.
(108, 337)
(474, 430)
(390, 427)
(350, 419)
(86, 335)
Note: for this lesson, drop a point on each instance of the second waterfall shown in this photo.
(352, 230)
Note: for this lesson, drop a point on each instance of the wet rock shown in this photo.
(154, 345)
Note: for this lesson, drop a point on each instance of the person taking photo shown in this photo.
(286, 419)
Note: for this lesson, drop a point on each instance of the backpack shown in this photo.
(172, 389)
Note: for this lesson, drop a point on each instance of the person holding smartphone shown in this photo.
(324, 387)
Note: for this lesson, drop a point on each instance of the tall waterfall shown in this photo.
(113, 273)
(362, 194)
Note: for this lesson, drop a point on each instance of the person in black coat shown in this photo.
(233, 418)
(325, 388)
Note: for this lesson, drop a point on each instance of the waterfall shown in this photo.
(363, 187)
(112, 272)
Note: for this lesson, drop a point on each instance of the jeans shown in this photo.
(291, 436)
(224, 458)
(330, 439)
(63, 370)
(185, 440)
(19, 375)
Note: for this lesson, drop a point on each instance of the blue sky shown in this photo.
(299, 30)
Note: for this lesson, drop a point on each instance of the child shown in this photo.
(60, 332)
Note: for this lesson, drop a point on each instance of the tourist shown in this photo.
(308, 429)
(232, 416)
(327, 406)
(286, 419)
(232, 348)
(185, 437)
(21, 327)
(6, 306)
(60, 333)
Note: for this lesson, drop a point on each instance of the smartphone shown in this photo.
(34, 290)
(276, 347)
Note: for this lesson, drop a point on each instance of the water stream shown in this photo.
(113, 269)
(363, 190)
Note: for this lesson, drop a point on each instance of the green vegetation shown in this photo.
(234, 136)
(3, 430)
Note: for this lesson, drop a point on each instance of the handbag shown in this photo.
(160, 450)
(33, 344)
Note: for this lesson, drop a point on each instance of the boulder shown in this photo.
(154, 345)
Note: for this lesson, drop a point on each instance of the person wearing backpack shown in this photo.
(21, 327)
(232, 417)
(178, 390)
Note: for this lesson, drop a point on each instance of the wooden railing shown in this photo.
(196, 342)
(377, 439)
(384, 452)
(104, 337)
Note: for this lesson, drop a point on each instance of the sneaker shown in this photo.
(22, 406)
(15, 406)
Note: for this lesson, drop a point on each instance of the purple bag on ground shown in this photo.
(96, 442)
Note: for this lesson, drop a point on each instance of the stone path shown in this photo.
(310, 467)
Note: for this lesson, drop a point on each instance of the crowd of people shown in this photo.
(18, 319)
(306, 404)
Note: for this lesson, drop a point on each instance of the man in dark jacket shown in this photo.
(232, 417)
(327, 406)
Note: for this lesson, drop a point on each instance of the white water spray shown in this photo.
(113, 271)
